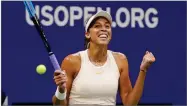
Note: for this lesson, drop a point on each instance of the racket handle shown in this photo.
(54, 62)
(56, 65)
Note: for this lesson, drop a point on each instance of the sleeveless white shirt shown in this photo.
(95, 85)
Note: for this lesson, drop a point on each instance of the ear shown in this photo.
(87, 35)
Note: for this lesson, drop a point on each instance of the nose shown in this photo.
(103, 29)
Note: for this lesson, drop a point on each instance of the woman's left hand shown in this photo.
(148, 59)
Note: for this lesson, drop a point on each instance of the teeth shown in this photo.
(103, 36)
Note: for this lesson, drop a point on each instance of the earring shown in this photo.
(88, 45)
(88, 36)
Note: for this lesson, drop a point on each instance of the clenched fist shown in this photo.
(60, 78)
(148, 59)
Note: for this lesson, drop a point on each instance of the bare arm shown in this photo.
(129, 95)
(70, 64)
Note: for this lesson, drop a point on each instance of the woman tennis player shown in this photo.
(93, 76)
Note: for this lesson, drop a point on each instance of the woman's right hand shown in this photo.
(60, 79)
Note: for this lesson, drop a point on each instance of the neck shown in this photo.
(97, 53)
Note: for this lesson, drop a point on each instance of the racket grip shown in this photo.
(56, 65)
(54, 62)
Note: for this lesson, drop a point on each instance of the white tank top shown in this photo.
(95, 85)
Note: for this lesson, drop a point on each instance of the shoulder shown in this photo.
(71, 62)
(73, 58)
(121, 60)
(119, 56)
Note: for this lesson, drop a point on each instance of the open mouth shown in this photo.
(103, 36)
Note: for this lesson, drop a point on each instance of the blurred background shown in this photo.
(159, 27)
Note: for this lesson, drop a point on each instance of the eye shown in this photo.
(107, 26)
(97, 26)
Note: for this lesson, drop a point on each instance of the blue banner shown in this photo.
(159, 27)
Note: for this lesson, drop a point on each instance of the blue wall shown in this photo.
(22, 49)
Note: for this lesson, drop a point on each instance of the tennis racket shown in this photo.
(30, 8)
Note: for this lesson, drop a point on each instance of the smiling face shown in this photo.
(100, 32)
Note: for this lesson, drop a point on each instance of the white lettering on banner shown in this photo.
(64, 10)
(134, 17)
(138, 19)
(74, 17)
(47, 15)
(118, 17)
(154, 19)
(107, 9)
